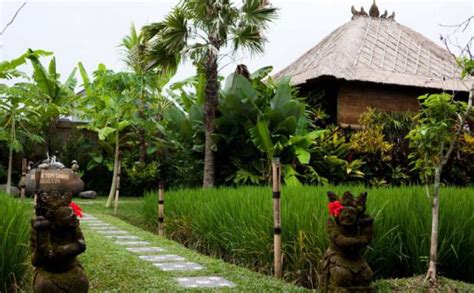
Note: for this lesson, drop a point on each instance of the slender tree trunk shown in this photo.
(114, 175)
(210, 107)
(142, 147)
(141, 132)
(432, 274)
(10, 157)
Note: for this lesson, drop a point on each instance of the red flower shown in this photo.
(77, 209)
(335, 208)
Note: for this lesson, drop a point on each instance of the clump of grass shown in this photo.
(236, 225)
(14, 236)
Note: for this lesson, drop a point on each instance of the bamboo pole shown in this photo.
(23, 179)
(276, 174)
(161, 209)
(117, 186)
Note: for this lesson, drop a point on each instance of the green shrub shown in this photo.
(14, 236)
(236, 225)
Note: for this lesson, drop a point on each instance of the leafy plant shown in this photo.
(14, 237)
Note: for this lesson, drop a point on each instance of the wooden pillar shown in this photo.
(276, 174)
(117, 187)
(23, 179)
(161, 209)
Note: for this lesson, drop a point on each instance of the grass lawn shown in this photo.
(112, 268)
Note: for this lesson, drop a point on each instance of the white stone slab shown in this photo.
(112, 232)
(162, 258)
(204, 282)
(123, 237)
(132, 243)
(145, 249)
(178, 266)
(98, 225)
(102, 227)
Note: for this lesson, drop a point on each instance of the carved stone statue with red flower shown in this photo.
(56, 240)
(350, 229)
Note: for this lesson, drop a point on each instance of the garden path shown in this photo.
(158, 256)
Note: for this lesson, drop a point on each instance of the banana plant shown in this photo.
(17, 117)
(54, 97)
(16, 107)
(109, 107)
(273, 119)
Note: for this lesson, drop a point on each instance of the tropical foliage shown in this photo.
(202, 30)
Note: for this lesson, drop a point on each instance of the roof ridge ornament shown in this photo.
(373, 12)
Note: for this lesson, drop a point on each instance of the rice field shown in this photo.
(236, 224)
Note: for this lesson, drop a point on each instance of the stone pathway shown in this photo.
(156, 255)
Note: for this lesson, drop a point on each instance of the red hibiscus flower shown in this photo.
(335, 208)
(77, 209)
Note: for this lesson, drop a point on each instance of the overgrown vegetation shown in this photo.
(14, 239)
(235, 224)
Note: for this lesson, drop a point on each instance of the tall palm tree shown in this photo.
(201, 30)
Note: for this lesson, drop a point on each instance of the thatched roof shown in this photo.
(378, 50)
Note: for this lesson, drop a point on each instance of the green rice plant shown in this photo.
(14, 236)
(235, 224)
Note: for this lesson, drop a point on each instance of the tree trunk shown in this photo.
(432, 274)
(210, 106)
(10, 157)
(142, 147)
(114, 175)
(141, 133)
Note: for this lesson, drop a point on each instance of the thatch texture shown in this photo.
(381, 51)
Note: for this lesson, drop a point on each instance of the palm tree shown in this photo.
(201, 30)
(150, 81)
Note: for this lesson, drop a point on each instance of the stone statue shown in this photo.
(350, 229)
(56, 240)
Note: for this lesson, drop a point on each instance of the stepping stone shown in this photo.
(101, 226)
(204, 282)
(92, 221)
(178, 266)
(162, 258)
(132, 243)
(145, 249)
(123, 237)
(112, 232)
(98, 224)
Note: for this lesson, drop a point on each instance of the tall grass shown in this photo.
(14, 236)
(236, 225)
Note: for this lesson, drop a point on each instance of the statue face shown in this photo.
(348, 216)
(66, 218)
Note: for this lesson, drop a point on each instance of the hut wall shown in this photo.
(355, 98)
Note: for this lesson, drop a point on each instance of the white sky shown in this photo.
(90, 31)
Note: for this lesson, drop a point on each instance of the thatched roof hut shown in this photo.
(374, 61)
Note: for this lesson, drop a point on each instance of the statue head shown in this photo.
(347, 209)
(65, 218)
(48, 202)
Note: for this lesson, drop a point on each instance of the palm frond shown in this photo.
(258, 13)
(250, 38)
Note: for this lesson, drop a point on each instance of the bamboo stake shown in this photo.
(117, 187)
(161, 209)
(276, 174)
(23, 179)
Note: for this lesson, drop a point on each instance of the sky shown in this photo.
(91, 31)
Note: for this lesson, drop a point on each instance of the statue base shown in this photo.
(74, 280)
